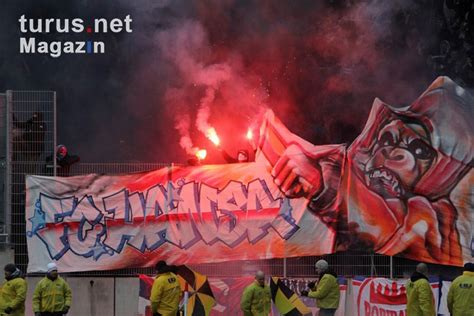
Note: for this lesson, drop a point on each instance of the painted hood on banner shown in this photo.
(408, 181)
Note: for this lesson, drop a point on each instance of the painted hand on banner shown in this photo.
(313, 173)
(296, 175)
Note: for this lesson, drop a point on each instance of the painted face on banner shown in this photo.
(400, 156)
(409, 174)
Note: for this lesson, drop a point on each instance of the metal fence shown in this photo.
(30, 124)
(3, 137)
(30, 138)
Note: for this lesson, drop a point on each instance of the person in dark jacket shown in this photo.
(28, 137)
(63, 160)
(242, 156)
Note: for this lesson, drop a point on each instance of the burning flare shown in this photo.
(249, 134)
(201, 154)
(212, 135)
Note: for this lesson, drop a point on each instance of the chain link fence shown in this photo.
(30, 138)
(3, 154)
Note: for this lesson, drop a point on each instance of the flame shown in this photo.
(201, 154)
(249, 134)
(212, 135)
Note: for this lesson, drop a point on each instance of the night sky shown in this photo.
(188, 65)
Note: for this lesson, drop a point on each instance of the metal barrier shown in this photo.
(30, 123)
(30, 138)
(3, 203)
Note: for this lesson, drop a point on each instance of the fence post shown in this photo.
(284, 260)
(8, 165)
(55, 140)
(391, 267)
(372, 265)
(169, 187)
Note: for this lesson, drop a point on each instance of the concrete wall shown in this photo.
(126, 296)
(32, 281)
(96, 296)
(93, 296)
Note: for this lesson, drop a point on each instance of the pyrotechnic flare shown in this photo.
(212, 135)
(201, 154)
(250, 139)
(249, 134)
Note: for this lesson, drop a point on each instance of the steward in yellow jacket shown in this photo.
(165, 292)
(256, 299)
(420, 301)
(461, 293)
(52, 294)
(13, 292)
(326, 292)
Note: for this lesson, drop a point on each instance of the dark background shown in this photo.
(317, 64)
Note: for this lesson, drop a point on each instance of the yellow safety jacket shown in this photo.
(461, 295)
(256, 300)
(420, 301)
(327, 292)
(165, 294)
(51, 296)
(13, 295)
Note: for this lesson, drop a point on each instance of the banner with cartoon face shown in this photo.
(407, 186)
(404, 187)
(380, 296)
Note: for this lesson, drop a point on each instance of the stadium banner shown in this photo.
(403, 187)
(443, 298)
(192, 214)
(380, 296)
(407, 187)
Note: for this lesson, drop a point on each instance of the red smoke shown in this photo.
(318, 66)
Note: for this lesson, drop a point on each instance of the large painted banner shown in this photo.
(185, 215)
(404, 187)
(407, 186)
